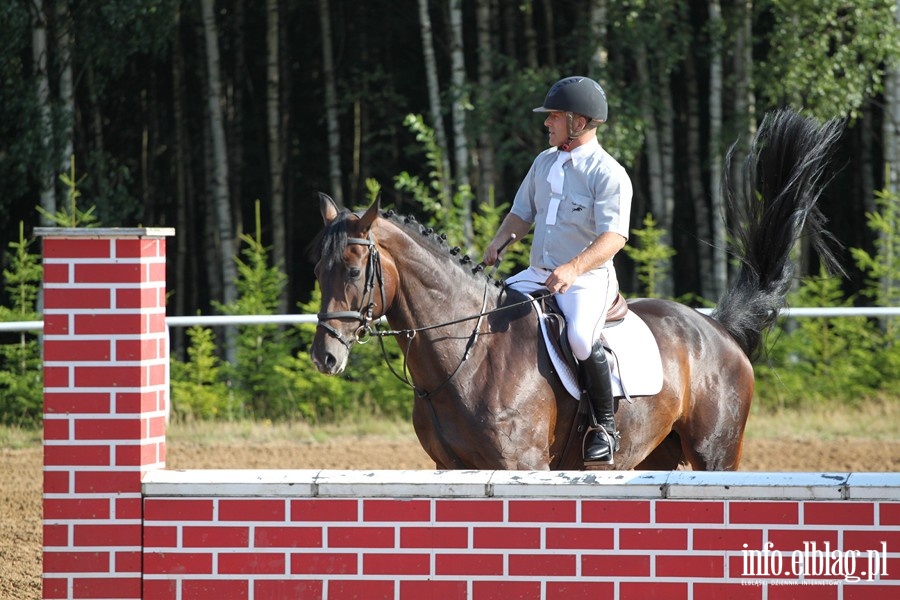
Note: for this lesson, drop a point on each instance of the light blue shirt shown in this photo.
(596, 198)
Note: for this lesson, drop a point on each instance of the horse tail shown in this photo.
(785, 173)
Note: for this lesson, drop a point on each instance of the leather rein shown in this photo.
(368, 325)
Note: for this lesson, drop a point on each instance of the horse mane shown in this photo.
(329, 244)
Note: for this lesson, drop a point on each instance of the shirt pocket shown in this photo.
(577, 208)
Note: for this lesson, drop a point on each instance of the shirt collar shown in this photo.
(584, 150)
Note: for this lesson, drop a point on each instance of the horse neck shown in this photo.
(430, 289)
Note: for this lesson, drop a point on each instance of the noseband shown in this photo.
(367, 308)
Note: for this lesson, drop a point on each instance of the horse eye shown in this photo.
(353, 272)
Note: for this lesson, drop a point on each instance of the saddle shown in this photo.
(631, 348)
(555, 322)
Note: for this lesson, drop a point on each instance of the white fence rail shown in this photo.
(220, 320)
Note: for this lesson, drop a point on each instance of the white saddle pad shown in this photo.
(634, 360)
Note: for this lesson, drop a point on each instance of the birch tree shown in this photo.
(276, 162)
(658, 35)
(434, 97)
(890, 129)
(66, 88)
(458, 111)
(714, 260)
(531, 47)
(42, 79)
(599, 24)
(183, 186)
(331, 105)
(219, 175)
(487, 180)
(695, 183)
(890, 132)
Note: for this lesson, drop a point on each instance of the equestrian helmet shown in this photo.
(579, 95)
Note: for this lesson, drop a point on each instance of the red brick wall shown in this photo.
(486, 535)
(118, 525)
(105, 394)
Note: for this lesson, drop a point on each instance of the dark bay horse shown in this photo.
(485, 393)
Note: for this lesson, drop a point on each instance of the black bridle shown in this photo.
(365, 315)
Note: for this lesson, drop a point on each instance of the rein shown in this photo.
(365, 317)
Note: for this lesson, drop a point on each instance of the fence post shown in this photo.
(105, 393)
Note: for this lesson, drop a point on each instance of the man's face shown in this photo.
(557, 128)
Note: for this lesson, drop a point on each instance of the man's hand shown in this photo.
(492, 253)
(511, 229)
(561, 278)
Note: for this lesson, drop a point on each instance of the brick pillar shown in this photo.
(105, 392)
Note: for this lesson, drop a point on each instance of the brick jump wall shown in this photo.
(118, 525)
(105, 393)
(503, 535)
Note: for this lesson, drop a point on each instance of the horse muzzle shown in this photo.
(328, 357)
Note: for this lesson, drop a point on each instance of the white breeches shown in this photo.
(584, 304)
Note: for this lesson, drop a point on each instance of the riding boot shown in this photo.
(602, 441)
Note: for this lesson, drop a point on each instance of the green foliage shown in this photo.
(366, 386)
(21, 375)
(447, 214)
(827, 55)
(814, 359)
(650, 254)
(261, 349)
(883, 279)
(883, 267)
(844, 358)
(197, 386)
(69, 215)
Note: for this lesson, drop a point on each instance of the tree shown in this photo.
(890, 130)
(713, 261)
(827, 56)
(434, 97)
(459, 107)
(276, 162)
(486, 168)
(42, 78)
(219, 170)
(332, 120)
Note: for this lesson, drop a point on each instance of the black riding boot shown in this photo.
(602, 442)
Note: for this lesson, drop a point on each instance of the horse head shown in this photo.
(351, 279)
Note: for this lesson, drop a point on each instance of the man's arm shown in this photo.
(512, 225)
(602, 249)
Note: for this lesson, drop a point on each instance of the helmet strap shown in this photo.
(570, 129)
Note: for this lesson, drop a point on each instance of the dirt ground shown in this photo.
(21, 477)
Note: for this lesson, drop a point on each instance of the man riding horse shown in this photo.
(578, 198)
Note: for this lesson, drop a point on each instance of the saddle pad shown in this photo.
(633, 354)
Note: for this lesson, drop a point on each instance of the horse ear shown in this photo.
(371, 213)
(328, 208)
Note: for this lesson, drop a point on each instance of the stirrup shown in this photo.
(612, 442)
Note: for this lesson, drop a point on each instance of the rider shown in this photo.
(578, 198)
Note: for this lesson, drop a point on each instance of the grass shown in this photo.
(263, 432)
(872, 420)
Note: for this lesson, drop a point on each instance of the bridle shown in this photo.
(365, 315)
(367, 307)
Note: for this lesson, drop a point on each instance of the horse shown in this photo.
(486, 395)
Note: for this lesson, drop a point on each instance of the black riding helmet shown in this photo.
(579, 95)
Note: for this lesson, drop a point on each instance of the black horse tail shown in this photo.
(785, 173)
